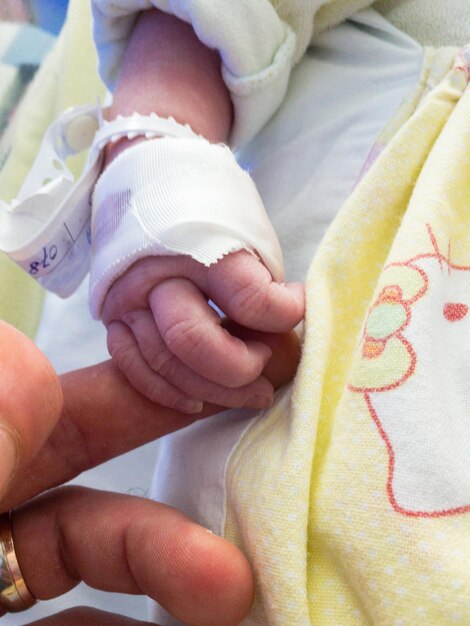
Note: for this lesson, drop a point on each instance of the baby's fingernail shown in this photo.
(189, 406)
(264, 352)
(258, 402)
(8, 459)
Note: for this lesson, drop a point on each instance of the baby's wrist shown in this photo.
(113, 150)
(181, 80)
(214, 133)
(123, 132)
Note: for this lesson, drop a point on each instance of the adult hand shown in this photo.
(50, 431)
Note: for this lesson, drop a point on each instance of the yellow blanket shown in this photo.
(352, 497)
(67, 77)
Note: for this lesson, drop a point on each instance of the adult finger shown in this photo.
(192, 330)
(104, 416)
(144, 548)
(30, 401)
(86, 616)
(165, 364)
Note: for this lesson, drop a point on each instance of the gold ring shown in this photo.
(14, 593)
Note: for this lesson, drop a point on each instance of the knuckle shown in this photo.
(65, 437)
(132, 288)
(121, 351)
(252, 302)
(223, 397)
(151, 392)
(130, 318)
(163, 363)
(114, 303)
(185, 338)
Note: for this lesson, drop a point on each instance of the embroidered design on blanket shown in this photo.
(413, 368)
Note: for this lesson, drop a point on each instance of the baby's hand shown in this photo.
(170, 343)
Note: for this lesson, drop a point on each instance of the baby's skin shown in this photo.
(170, 343)
(163, 334)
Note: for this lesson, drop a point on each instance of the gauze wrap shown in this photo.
(171, 197)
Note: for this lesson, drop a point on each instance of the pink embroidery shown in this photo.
(388, 360)
(464, 56)
(454, 311)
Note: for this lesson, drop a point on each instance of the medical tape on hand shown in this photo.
(47, 228)
(175, 197)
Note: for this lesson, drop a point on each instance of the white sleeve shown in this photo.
(256, 46)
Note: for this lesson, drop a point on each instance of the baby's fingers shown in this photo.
(244, 289)
(192, 331)
(125, 352)
(257, 394)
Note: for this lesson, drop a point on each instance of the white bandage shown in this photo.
(173, 197)
(46, 229)
(177, 195)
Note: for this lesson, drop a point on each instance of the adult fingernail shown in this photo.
(8, 459)
(189, 406)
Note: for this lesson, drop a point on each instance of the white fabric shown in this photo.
(204, 498)
(259, 42)
(46, 229)
(305, 163)
(170, 197)
(255, 67)
(431, 22)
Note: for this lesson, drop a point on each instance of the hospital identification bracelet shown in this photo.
(47, 228)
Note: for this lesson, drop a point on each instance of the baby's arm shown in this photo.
(162, 333)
